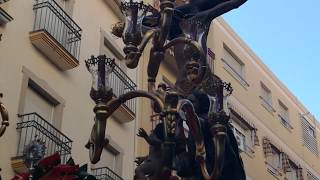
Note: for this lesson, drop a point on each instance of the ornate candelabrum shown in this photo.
(184, 28)
(4, 116)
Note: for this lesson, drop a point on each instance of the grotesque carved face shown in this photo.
(193, 70)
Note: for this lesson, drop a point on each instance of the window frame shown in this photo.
(284, 119)
(237, 123)
(267, 102)
(116, 149)
(239, 76)
(43, 88)
(275, 171)
(294, 167)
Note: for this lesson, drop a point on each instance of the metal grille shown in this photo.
(50, 17)
(121, 83)
(32, 126)
(104, 173)
(310, 176)
(309, 139)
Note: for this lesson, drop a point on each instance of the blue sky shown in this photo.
(285, 34)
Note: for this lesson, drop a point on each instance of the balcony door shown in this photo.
(35, 102)
(65, 33)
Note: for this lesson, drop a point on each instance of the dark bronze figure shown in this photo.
(5, 118)
(211, 144)
(152, 165)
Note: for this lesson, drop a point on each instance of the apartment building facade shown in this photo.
(46, 85)
(46, 89)
(277, 135)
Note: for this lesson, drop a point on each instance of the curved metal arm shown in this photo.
(220, 9)
(103, 111)
(219, 134)
(133, 57)
(193, 123)
(166, 20)
(219, 141)
(5, 119)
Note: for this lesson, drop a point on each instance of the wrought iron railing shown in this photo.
(121, 83)
(105, 173)
(50, 17)
(32, 127)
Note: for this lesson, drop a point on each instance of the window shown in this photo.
(266, 98)
(35, 102)
(211, 57)
(293, 173)
(274, 161)
(284, 115)
(37, 96)
(108, 159)
(240, 137)
(243, 132)
(309, 136)
(311, 176)
(234, 66)
(111, 159)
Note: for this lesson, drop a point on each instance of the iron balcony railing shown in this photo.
(105, 173)
(121, 83)
(32, 127)
(50, 17)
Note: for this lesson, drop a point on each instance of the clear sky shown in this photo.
(285, 34)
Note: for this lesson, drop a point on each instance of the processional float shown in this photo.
(210, 151)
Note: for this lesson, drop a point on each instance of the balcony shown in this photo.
(121, 83)
(31, 127)
(104, 173)
(56, 35)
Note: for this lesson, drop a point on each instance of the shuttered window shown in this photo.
(283, 111)
(35, 102)
(284, 115)
(235, 64)
(293, 173)
(309, 136)
(266, 98)
(266, 94)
